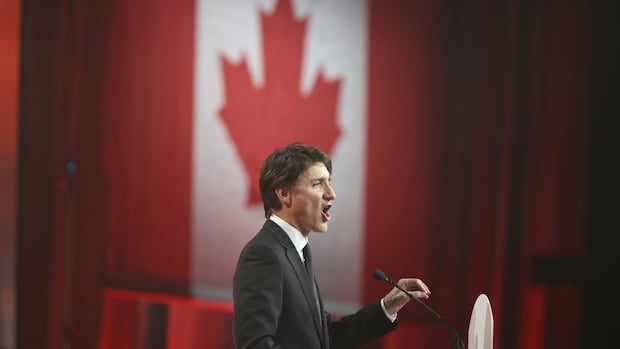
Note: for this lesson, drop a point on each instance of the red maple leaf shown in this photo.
(262, 118)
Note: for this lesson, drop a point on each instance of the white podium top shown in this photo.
(480, 334)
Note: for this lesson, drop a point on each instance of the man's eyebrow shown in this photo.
(321, 178)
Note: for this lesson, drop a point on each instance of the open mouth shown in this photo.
(325, 213)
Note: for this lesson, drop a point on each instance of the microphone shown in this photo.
(458, 343)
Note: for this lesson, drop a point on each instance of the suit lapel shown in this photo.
(324, 329)
(300, 271)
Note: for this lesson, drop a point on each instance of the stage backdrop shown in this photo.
(457, 133)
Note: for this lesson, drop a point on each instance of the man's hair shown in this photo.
(283, 167)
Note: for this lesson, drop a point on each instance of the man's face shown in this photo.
(311, 199)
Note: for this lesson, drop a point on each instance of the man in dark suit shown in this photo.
(277, 303)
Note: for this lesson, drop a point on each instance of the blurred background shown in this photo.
(475, 146)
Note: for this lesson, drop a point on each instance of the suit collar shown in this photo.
(297, 238)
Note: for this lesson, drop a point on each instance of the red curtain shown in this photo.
(9, 64)
(104, 185)
(146, 143)
(489, 146)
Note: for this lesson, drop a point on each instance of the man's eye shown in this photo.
(316, 184)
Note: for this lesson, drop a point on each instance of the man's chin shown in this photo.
(321, 228)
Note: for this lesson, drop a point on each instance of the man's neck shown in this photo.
(289, 219)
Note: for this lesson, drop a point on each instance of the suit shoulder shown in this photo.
(263, 243)
(262, 258)
(265, 237)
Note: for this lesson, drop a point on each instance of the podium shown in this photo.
(480, 332)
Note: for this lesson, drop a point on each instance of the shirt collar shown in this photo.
(297, 238)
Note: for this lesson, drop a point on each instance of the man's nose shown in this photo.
(330, 193)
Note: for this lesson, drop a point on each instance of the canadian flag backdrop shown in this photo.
(456, 133)
(268, 74)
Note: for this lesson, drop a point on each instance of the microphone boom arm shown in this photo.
(458, 343)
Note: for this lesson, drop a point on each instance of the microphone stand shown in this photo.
(458, 343)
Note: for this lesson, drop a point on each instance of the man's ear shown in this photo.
(284, 195)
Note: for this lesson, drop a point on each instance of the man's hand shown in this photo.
(396, 299)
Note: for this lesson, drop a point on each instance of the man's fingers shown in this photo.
(413, 284)
(419, 294)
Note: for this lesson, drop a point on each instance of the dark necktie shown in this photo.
(308, 263)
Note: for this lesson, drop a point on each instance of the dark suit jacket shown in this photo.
(275, 306)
